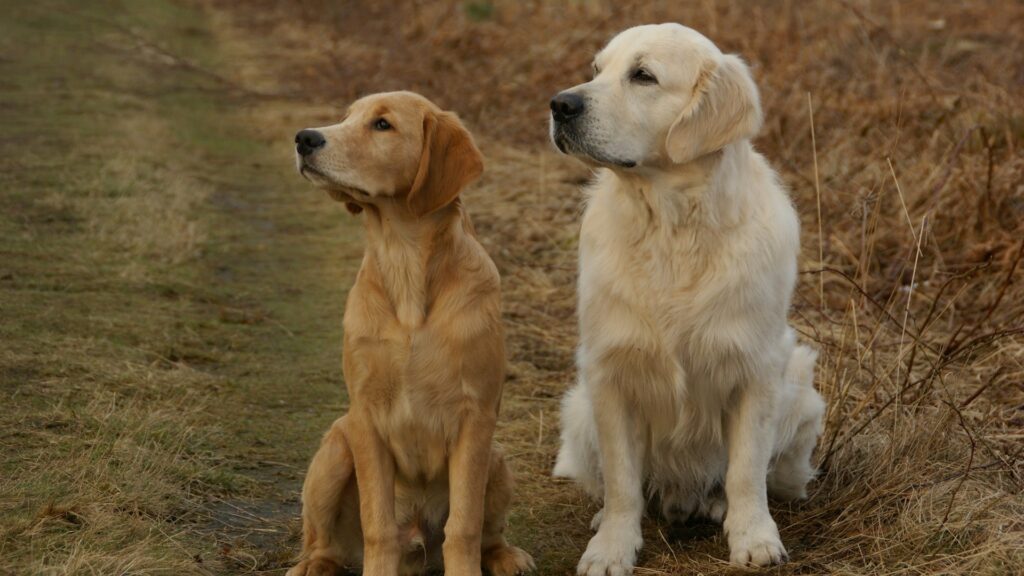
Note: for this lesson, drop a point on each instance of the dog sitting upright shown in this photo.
(409, 477)
(693, 388)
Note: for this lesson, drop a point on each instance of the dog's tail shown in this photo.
(799, 427)
(577, 457)
(800, 368)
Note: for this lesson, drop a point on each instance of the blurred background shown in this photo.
(171, 291)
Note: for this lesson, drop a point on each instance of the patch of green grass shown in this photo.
(479, 10)
(170, 303)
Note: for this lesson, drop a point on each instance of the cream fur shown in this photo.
(692, 390)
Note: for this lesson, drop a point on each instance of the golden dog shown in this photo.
(424, 357)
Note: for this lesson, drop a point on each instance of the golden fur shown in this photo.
(423, 358)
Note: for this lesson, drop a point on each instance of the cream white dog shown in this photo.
(693, 392)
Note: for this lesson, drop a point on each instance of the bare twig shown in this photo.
(817, 194)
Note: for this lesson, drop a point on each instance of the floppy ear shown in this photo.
(449, 162)
(725, 108)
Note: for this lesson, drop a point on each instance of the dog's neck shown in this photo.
(704, 192)
(405, 252)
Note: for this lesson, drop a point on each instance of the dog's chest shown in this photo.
(418, 439)
(401, 268)
(393, 373)
(685, 290)
(660, 272)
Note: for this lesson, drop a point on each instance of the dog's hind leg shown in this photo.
(498, 557)
(330, 509)
(799, 428)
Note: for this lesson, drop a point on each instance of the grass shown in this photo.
(172, 294)
(171, 302)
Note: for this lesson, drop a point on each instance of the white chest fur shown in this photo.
(696, 274)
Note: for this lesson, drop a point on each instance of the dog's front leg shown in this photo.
(468, 469)
(753, 535)
(375, 478)
(612, 551)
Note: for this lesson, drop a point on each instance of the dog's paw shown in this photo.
(611, 552)
(756, 544)
(714, 509)
(595, 522)
(317, 567)
(507, 561)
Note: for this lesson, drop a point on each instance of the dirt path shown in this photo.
(171, 302)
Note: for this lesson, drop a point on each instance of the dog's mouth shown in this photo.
(340, 191)
(309, 172)
(559, 140)
(566, 142)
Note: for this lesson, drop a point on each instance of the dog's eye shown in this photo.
(381, 124)
(641, 76)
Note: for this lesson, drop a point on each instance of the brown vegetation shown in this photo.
(896, 126)
(166, 287)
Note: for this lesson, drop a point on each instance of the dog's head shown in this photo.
(395, 146)
(661, 94)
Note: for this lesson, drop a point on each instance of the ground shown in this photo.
(171, 292)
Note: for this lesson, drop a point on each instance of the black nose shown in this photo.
(307, 141)
(566, 106)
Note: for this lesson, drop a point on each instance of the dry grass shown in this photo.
(167, 294)
(910, 189)
(129, 468)
(104, 439)
(143, 209)
(150, 328)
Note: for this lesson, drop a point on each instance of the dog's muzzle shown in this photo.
(566, 108)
